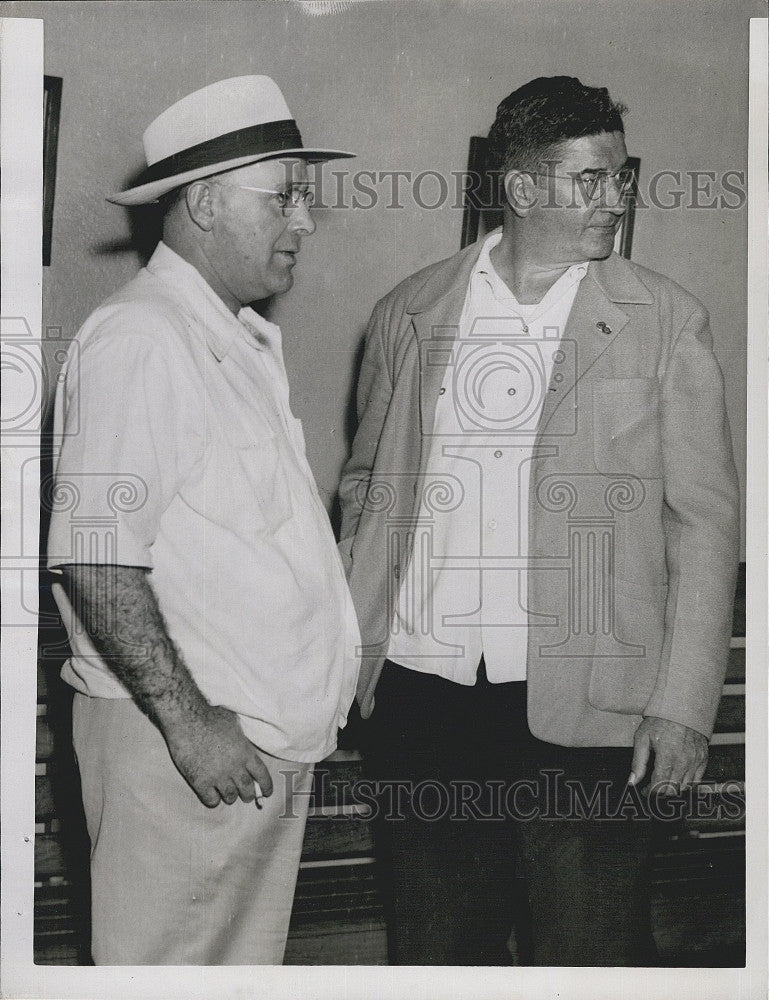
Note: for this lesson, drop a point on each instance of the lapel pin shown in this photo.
(603, 327)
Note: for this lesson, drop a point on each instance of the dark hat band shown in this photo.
(271, 137)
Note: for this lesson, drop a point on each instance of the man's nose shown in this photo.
(301, 220)
(613, 196)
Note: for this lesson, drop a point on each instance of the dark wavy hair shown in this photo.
(534, 120)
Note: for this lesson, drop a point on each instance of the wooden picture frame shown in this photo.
(51, 112)
(481, 213)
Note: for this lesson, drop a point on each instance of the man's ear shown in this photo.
(200, 204)
(520, 189)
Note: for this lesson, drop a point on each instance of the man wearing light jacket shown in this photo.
(540, 528)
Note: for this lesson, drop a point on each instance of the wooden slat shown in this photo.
(726, 822)
(707, 809)
(352, 809)
(336, 943)
(49, 857)
(720, 811)
(331, 837)
(340, 754)
(45, 743)
(715, 860)
(60, 921)
(334, 779)
(341, 908)
(341, 893)
(64, 950)
(345, 904)
(726, 739)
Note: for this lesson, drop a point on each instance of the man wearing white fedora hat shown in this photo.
(212, 635)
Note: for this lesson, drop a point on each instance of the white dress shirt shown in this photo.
(178, 452)
(463, 594)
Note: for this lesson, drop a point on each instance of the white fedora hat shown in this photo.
(225, 125)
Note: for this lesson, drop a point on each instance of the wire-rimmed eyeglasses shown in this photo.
(288, 200)
(595, 185)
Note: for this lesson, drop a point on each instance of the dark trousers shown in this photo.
(472, 808)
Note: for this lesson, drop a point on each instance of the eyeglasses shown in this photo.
(595, 185)
(288, 201)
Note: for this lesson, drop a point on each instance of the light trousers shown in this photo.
(173, 882)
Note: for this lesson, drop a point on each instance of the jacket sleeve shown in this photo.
(375, 387)
(701, 521)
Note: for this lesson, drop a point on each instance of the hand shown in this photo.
(680, 753)
(216, 759)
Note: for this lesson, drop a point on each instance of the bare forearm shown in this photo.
(120, 612)
(118, 608)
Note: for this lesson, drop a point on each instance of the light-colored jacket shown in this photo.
(633, 499)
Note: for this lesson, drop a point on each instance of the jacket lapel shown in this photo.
(595, 322)
(436, 310)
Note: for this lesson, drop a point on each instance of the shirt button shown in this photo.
(511, 391)
(497, 453)
(492, 525)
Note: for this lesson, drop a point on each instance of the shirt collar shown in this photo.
(484, 270)
(221, 325)
(266, 335)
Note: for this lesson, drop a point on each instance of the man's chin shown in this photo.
(281, 283)
(601, 247)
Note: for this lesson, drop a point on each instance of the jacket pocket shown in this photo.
(626, 660)
(626, 427)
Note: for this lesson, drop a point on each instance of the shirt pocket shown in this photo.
(244, 486)
(626, 427)
(262, 472)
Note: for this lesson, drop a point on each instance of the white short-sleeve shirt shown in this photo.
(177, 451)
